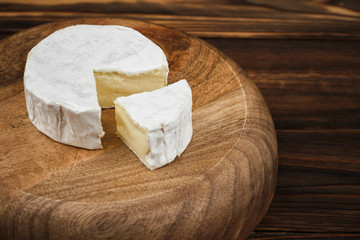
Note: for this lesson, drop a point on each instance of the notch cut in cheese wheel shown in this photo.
(59, 78)
(111, 85)
(156, 125)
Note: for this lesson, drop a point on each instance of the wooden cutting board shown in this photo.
(219, 188)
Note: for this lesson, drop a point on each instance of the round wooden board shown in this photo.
(219, 188)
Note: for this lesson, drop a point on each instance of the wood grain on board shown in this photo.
(220, 187)
(304, 57)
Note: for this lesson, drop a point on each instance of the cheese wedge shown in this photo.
(156, 125)
(71, 71)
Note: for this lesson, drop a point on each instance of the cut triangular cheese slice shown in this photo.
(156, 125)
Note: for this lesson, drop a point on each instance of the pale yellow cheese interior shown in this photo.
(111, 85)
(134, 136)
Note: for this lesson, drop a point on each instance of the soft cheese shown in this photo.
(110, 85)
(59, 79)
(156, 125)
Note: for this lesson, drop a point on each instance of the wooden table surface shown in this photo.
(304, 56)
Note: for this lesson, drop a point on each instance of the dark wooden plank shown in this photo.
(240, 19)
(306, 84)
(320, 153)
(318, 188)
(293, 57)
(233, 8)
(312, 102)
(313, 213)
(301, 235)
(213, 26)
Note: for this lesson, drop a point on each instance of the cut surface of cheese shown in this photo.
(110, 85)
(156, 125)
(59, 78)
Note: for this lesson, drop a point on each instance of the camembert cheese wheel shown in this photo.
(74, 72)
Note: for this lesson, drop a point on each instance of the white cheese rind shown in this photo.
(167, 115)
(59, 83)
(65, 125)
